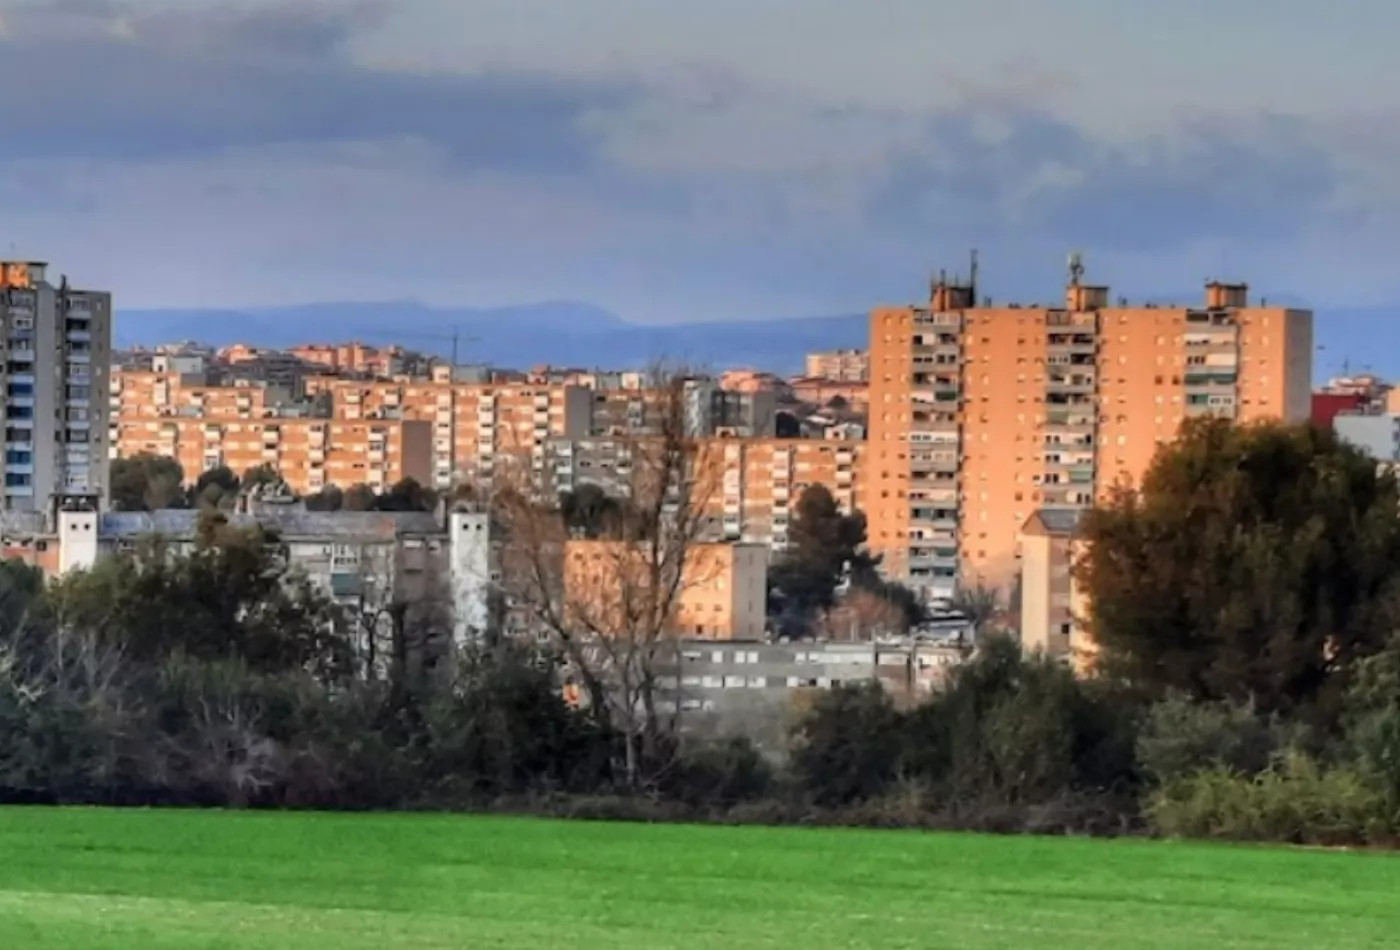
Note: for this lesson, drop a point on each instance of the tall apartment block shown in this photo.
(982, 416)
(57, 355)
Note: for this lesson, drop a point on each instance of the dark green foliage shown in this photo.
(1297, 801)
(146, 482)
(1015, 731)
(1373, 721)
(1255, 563)
(405, 495)
(847, 747)
(227, 598)
(718, 775)
(1180, 737)
(824, 546)
(503, 728)
(330, 498)
(259, 475)
(358, 498)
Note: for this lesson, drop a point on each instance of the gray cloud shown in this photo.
(688, 188)
(124, 84)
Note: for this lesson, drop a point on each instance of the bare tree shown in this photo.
(613, 606)
(864, 615)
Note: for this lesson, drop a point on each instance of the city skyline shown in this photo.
(673, 164)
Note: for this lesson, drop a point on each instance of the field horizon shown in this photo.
(119, 879)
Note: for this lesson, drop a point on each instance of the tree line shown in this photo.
(1245, 683)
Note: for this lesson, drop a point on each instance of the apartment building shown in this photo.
(354, 358)
(58, 355)
(981, 415)
(310, 454)
(748, 487)
(721, 593)
(752, 485)
(474, 424)
(1053, 605)
(161, 393)
(819, 391)
(845, 366)
(258, 364)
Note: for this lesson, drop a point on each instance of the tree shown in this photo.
(146, 482)
(358, 498)
(406, 495)
(216, 488)
(229, 598)
(260, 475)
(978, 603)
(786, 425)
(330, 498)
(825, 546)
(590, 512)
(610, 606)
(1254, 564)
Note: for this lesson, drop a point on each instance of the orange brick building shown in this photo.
(720, 594)
(473, 424)
(309, 453)
(981, 416)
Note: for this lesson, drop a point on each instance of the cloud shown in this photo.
(256, 147)
(126, 83)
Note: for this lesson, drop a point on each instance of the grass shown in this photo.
(89, 878)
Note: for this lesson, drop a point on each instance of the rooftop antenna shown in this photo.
(972, 278)
(1076, 268)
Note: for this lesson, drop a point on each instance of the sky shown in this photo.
(725, 159)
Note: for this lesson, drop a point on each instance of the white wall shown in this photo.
(470, 571)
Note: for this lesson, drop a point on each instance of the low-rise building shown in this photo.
(850, 366)
(757, 688)
(367, 561)
(614, 586)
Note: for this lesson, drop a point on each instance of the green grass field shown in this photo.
(78, 878)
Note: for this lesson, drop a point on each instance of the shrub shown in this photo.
(1295, 800)
(846, 748)
(1011, 732)
(1180, 737)
(718, 775)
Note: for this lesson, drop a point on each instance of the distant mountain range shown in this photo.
(579, 334)
(560, 333)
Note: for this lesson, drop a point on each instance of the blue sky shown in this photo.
(717, 160)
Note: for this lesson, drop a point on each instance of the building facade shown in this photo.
(981, 415)
(57, 359)
(845, 366)
(719, 594)
(309, 453)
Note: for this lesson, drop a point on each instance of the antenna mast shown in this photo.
(1076, 268)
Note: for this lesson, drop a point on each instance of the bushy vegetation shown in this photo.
(1247, 681)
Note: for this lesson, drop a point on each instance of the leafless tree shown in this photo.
(613, 606)
(864, 615)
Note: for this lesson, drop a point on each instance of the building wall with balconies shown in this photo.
(1048, 408)
(55, 374)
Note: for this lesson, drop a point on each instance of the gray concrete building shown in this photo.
(1378, 435)
(57, 359)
